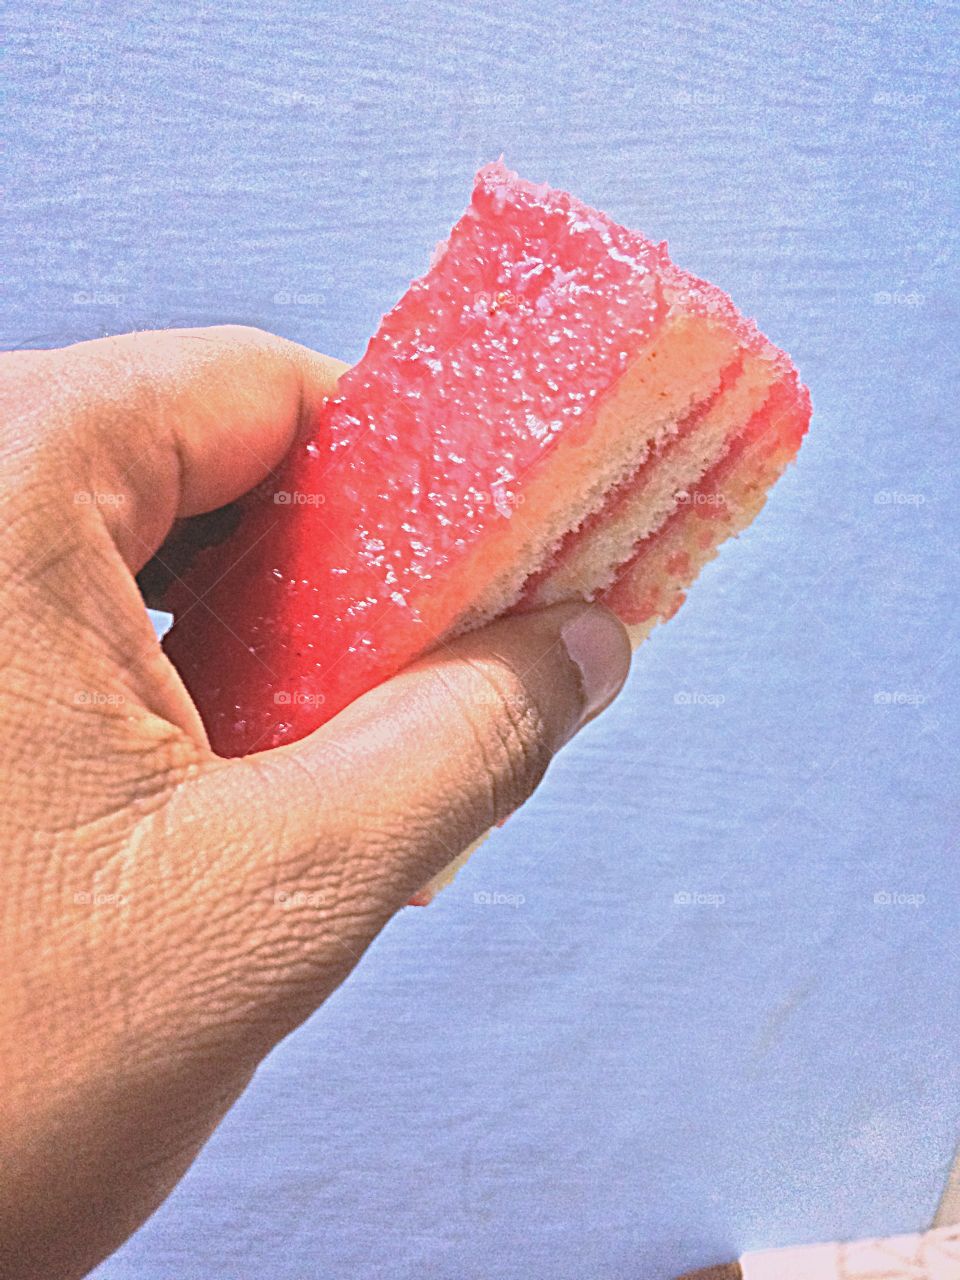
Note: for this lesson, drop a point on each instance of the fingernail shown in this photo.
(600, 648)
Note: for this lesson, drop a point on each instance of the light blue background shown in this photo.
(598, 1082)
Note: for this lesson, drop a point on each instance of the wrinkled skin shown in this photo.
(168, 916)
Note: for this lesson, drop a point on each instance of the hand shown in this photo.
(168, 916)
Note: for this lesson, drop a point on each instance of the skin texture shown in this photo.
(168, 916)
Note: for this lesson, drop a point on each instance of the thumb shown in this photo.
(454, 744)
(343, 827)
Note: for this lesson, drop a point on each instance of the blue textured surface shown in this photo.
(601, 1080)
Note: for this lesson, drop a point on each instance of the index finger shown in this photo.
(176, 422)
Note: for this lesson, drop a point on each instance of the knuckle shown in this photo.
(248, 335)
(510, 735)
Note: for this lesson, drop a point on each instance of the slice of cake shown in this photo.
(554, 410)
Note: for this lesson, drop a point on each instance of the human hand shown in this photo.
(168, 916)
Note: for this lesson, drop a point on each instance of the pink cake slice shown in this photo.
(555, 410)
